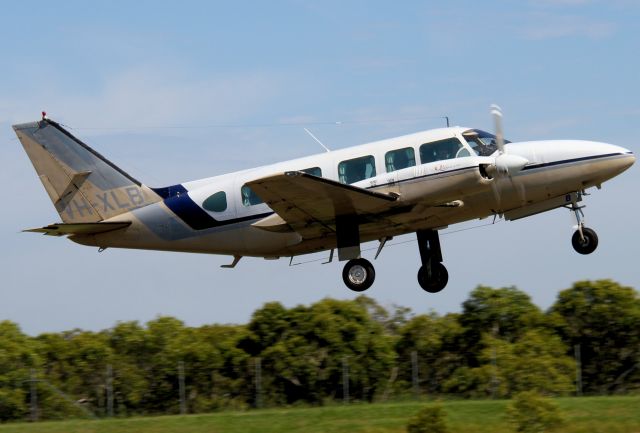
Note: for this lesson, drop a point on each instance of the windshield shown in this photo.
(483, 143)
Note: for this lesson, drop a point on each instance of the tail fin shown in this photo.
(83, 185)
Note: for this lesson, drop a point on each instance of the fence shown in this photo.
(409, 376)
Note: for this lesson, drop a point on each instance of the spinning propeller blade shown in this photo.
(496, 112)
(505, 165)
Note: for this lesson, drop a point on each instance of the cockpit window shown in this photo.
(442, 149)
(483, 143)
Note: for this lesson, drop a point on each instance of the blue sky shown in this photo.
(155, 85)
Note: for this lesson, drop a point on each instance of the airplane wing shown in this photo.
(309, 204)
(62, 229)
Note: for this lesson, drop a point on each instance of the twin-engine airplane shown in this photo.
(418, 183)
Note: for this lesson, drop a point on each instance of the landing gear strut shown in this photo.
(584, 240)
(358, 274)
(432, 276)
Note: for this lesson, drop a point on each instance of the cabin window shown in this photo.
(399, 159)
(249, 198)
(357, 169)
(216, 202)
(442, 149)
(315, 171)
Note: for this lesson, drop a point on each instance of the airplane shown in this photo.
(418, 183)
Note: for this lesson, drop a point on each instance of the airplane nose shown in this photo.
(619, 159)
(626, 157)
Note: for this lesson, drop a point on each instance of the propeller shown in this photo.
(505, 165)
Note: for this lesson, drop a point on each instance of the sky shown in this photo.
(177, 91)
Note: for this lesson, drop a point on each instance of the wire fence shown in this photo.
(410, 376)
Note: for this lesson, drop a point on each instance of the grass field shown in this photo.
(585, 415)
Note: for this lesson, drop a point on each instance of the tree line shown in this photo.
(587, 342)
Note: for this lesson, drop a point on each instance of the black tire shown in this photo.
(586, 245)
(436, 281)
(358, 274)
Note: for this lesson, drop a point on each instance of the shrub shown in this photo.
(529, 412)
(430, 419)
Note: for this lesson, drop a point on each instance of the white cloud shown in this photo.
(548, 26)
(151, 95)
(562, 2)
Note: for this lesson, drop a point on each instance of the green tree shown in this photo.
(506, 312)
(162, 365)
(17, 358)
(602, 318)
(75, 363)
(215, 369)
(536, 361)
(131, 363)
(392, 319)
(435, 340)
(303, 350)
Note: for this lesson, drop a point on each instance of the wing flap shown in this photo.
(63, 229)
(310, 204)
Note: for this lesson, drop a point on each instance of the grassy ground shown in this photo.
(583, 415)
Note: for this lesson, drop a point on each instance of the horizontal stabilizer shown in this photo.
(79, 228)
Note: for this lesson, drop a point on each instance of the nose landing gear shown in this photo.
(584, 239)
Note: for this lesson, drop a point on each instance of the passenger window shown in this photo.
(216, 202)
(315, 171)
(443, 149)
(357, 169)
(399, 159)
(249, 198)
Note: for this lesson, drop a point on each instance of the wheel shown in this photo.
(586, 245)
(358, 274)
(435, 280)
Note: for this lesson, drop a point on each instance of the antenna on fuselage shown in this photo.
(316, 139)
(447, 119)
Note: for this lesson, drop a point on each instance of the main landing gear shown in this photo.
(584, 240)
(358, 274)
(432, 275)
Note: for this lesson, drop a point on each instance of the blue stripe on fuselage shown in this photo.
(189, 212)
(170, 191)
(176, 198)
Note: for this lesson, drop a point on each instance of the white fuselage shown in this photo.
(431, 195)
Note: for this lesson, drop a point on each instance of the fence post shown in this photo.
(494, 375)
(109, 391)
(34, 396)
(183, 403)
(415, 379)
(258, 375)
(576, 351)
(345, 380)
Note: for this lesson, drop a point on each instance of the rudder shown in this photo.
(83, 185)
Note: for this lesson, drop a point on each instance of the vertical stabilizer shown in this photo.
(82, 184)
